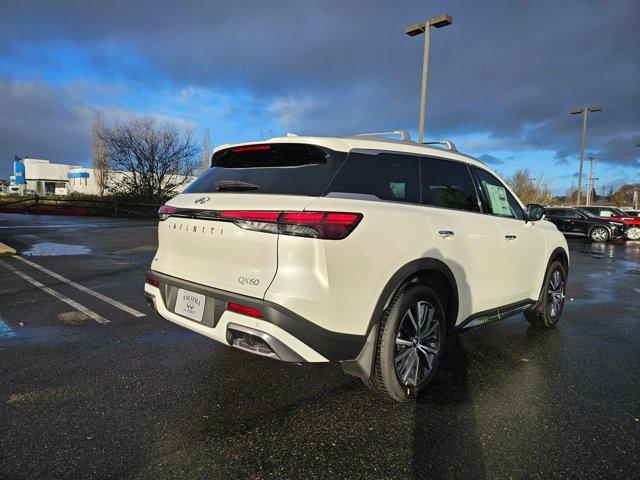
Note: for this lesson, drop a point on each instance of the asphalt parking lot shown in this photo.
(89, 389)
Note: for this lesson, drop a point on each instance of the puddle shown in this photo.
(5, 330)
(55, 249)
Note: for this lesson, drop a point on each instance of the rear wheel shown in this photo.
(551, 303)
(410, 343)
(599, 234)
(633, 233)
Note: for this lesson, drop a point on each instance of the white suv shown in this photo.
(360, 250)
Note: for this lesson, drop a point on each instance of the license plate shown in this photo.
(190, 305)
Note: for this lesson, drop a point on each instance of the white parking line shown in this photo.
(58, 295)
(99, 295)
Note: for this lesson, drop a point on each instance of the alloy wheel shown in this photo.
(417, 344)
(633, 233)
(599, 234)
(556, 294)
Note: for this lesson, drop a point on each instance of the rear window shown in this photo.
(286, 169)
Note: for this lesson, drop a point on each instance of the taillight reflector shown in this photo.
(153, 281)
(244, 310)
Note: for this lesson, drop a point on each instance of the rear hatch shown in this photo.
(222, 230)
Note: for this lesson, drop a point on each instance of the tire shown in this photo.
(599, 234)
(551, 303)
(413, 328)
(633, 233)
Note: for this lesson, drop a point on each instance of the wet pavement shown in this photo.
(137, 397)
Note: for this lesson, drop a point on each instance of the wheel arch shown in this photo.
(425, 271)
(559, 254)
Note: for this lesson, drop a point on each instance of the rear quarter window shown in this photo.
(386, 176)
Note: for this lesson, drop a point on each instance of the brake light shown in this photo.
(250, 148)
(323, 225)
(166, 211)
(252, 216)
(153, 281)
(244, 310)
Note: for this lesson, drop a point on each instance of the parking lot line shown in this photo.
(99, 295)
(58, 295)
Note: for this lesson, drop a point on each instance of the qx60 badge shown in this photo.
(202, 200)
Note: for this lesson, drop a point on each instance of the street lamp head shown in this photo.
(441, 21)
(576, 111)
(595, 108)
(415, 29)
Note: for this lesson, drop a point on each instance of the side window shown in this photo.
(498, 199)
(572, 214)
(606, 213)
(448, 184)
(387, 176)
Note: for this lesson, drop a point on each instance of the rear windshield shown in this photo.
(285, 168)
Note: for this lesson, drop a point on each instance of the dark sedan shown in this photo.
(581, 223)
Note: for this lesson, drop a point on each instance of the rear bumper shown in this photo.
(291, 337)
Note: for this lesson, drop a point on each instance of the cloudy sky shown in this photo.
(502, 78)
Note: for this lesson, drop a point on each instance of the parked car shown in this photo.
(582, 223)
(631, 213)
(612, 213)
(359, 250)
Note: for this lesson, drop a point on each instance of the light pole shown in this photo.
(592, 159)
(416, 29)
(585, 112)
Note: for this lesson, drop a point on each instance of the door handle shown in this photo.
(510, 237)
(446, 233)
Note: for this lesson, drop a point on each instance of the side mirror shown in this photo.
(534, 212)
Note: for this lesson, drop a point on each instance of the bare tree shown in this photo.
(527, 187)
(205, 152)
(99, 154)
(155, 156)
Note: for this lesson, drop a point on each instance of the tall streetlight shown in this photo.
(585, 112)
(412, 31)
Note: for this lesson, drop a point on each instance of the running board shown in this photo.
(495, 315)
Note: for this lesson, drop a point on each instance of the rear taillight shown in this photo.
(166, 211)
(244, 310)
(325, 225)
(322, 225)
(153, 281)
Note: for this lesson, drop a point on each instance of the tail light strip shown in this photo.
(323, 225)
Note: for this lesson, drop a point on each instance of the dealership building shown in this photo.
(36, 176)
(42, 177)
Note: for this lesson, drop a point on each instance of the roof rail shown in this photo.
(449, 145)
(403, 134)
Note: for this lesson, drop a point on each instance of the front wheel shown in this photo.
(551, 303)
(633, 233)
(410, 343)
(599, 234)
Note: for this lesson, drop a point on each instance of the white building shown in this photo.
(41, 177)
(34, 175)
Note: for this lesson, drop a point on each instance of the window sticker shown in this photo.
(499, 200)
(398, 189)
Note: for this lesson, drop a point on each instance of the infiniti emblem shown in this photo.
(202, 200)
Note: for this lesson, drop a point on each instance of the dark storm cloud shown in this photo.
(41, 121)
(509, 70)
